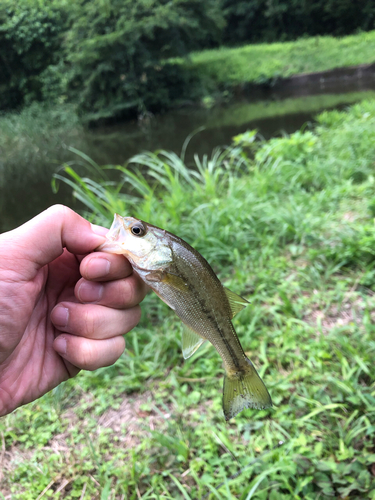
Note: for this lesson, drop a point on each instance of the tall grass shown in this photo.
(288, 223)
(33, 143)
(26, 138)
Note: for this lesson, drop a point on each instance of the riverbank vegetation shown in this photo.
(225, 67)
(117, 59)
(289, 224)
(33, 143)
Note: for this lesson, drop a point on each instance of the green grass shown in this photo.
(264, 62)
(288, 223)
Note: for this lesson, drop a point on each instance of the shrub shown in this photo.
(30, 39)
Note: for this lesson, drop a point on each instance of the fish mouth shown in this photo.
(113, 236)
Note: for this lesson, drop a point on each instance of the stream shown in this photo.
(272, 111)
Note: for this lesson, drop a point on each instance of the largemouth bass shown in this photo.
(185, 281)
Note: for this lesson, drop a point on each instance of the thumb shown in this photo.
(42, 239)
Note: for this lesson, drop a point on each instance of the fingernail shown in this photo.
(90, 292)
(60, 316)
(102, 231)
(60, 345)
(98, 268)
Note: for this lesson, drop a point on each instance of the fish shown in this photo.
(185, 281)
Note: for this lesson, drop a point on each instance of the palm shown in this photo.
(34, 366)
(40, 278)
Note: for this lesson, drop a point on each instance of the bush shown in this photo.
(116, 58)
(109, 57)
(30, 39)
(117, 52)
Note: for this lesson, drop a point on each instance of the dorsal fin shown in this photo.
(191, 341)
(236, 302)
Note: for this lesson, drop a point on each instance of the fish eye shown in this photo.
(138, 230)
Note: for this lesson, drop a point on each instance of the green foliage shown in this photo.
(30, 37)
(256, 20)
(225, 67)
(118, 49)
(287, 224)
(27, 144)
(151, 180)
(108, 57)
(32, 146)
(115, 59)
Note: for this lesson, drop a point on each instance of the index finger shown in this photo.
(103, 266)
(43, 238)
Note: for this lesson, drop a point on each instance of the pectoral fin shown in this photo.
(160, 276)
(190, 342)
(236, 302)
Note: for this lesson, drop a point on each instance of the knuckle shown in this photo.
(59, 210)
(89, 322)
(87, 356)
(133, 291)
(129, 292)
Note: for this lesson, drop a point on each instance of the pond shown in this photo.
(272, 111)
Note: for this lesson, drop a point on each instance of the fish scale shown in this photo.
(206, 309)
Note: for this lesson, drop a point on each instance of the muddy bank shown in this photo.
(349, 79)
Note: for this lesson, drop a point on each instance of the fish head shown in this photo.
(144, 245)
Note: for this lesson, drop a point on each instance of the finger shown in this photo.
(100, 266)
(43, 238)
(99, 229)
(120, 294)
(94, 321)
(89, 354)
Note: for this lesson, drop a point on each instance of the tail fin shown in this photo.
(244, 390)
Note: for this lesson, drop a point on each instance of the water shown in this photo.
(282, 109)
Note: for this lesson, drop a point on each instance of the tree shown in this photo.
(271, 20)
(118, 50)
(30, 36)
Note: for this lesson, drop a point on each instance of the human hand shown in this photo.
(61, 310)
